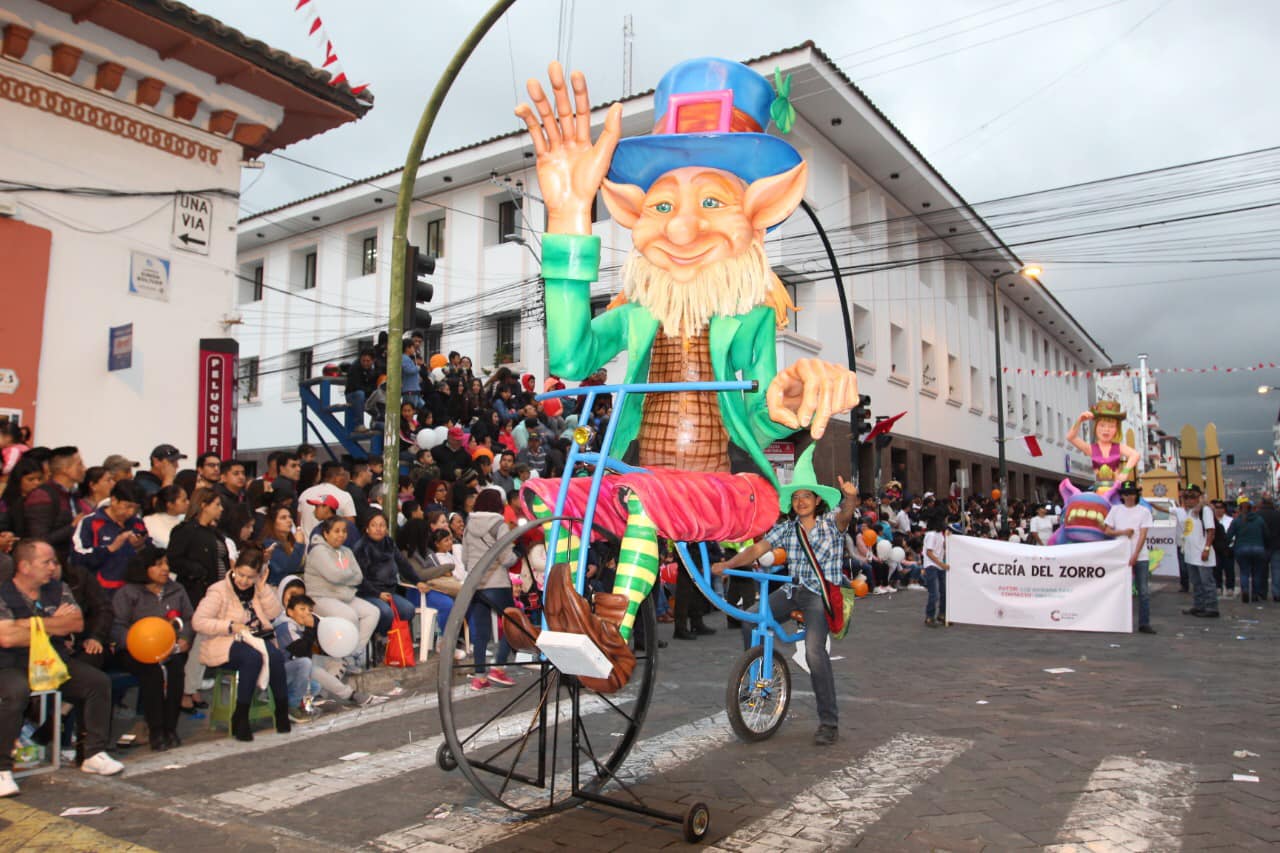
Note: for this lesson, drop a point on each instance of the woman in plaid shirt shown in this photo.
(825, 529)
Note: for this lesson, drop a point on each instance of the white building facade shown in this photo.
(123, 128)
(921, 308)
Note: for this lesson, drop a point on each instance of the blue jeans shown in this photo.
(1252, 563)
(438, 601)
(385, 616)
(355, 414)
(1142, 579)
(488, 601)
(297, 675)
(246, 661)
(1204, 591)
(935, 581)
(815, 645)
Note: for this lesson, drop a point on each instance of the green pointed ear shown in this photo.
(770, 200)
(625, 202)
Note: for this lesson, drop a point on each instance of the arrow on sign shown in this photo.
(186, 238)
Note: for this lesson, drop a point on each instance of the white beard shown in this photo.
(723, 288)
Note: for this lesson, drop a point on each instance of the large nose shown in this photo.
(683, 227)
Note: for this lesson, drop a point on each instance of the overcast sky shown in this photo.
(1036, 94)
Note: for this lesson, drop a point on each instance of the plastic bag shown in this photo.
(45, 669)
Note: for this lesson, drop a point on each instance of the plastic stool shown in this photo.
(55, 745)
(222, 704)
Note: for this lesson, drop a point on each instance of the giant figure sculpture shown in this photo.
(699, 303)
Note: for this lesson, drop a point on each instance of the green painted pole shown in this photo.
(399, 245)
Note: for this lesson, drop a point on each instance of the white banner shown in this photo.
(1084, 587)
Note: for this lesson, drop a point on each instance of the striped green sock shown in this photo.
(637, 562)
(566, 543)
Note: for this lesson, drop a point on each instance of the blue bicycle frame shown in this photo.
(764, 626)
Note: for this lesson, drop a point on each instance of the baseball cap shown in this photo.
(325, 500)
(456, 433)
(1242, 500)
(1130, 487)
(115, 462)
(1192, 488)
(167, 452)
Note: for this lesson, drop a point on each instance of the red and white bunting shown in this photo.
(1151, 371)
(316, 30)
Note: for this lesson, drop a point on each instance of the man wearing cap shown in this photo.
(164, 467)
(1132, 519)
(1250, 542)
(811, 520)
(452, 456)
(1197, 550)
(334, 479)
(119, 467)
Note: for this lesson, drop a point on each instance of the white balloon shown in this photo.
(338, 637)
(884, 549)
(432, 437)
(898, 555)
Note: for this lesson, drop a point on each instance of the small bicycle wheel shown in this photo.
(697, 822)
(758, 696)
(516, 745)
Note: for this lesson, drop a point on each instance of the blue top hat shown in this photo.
(711, 112)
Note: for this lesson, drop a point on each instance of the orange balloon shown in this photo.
(995, 494)
(860, 587)
(869, 537)
(779, 556)
(151, 639)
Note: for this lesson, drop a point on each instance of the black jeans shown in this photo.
(161, 697)
(815, 645)
(89, 689)
(246, 661)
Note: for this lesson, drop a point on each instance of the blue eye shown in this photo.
(710, 203)
(663, 207)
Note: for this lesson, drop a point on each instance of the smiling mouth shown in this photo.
(689, 260)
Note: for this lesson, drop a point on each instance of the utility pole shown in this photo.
(1143, 434)
(628, 41)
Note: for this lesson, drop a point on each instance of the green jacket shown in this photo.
(742, 347)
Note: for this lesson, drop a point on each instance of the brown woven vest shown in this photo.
(682, 430)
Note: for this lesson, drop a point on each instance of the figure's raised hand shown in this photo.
(809, 392)
(570, 168)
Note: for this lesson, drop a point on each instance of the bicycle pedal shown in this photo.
(798, 616)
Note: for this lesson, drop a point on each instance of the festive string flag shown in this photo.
(1033, 446)
(316, 30)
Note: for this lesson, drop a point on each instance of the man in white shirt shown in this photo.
(1132, 519)
(1042, 525)
(334, 479)
(1197, 551)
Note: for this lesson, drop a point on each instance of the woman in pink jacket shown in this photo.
(234, 622)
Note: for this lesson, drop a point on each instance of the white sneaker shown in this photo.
(102, 765)
(917, 587)
(880, 590)
(8, 787)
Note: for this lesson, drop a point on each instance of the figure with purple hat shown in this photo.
(699, 303)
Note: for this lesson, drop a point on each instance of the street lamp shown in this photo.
(1031, 272)
(1266, 389)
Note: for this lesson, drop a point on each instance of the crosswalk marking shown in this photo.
(832, 813)
(473, 828)
(1129, 804)
(297, 788)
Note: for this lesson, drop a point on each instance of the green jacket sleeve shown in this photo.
(577, 345)
(758, 356)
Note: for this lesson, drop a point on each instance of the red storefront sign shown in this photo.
(216, 420)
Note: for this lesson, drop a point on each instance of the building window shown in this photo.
(309, 271)
(434, 339)
(247, 381)
(507, 339)
(369, 255)
(257, 283)
(508, 227)
(300, 361)
(862, 334)
(435, 238)
(954, 389)
(898, 351)
(928, 372)
(1026, 411)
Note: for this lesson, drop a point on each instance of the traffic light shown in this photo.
(860, 417)
(1231, 459)
(417, 266)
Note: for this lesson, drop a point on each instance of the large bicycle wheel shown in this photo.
(516, 745)
(758, 695)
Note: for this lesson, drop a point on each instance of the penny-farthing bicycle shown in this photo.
(549, 743)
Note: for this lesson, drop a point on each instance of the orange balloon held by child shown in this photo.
(151, 639)
(860, 587)
(869, 537)
(995, 494)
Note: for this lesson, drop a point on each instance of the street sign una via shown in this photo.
(8, 381)
(192, 223)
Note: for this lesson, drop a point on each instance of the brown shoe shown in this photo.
(568, 611)
(521, 634)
